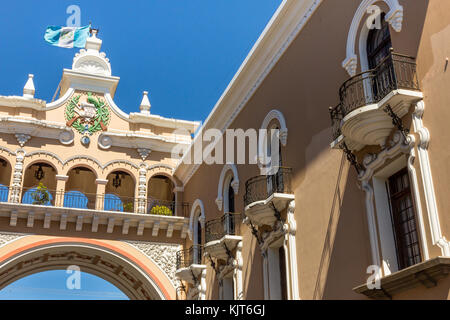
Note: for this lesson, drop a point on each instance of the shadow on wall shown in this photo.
(346, 250)
(252, 281)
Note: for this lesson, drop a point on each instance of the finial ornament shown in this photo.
(145, 104)
(28, 90)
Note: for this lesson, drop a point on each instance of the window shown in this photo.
(404, 220)
(378, 44)
(282, 258)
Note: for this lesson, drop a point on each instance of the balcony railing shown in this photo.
(228, 224)
(394, 72)
(103, 202)
(262, 187)
(190, 256)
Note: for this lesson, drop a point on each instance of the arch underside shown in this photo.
(119, 271)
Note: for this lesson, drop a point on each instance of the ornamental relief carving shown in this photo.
(163, 254)
(8, 237)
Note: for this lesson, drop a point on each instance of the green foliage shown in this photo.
(161, 210)
(128, 207)
(102, 115)
(40, 195)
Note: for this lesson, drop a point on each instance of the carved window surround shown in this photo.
(379, 222)
(394, 17)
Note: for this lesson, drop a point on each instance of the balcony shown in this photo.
(362, 118)
(100, 202)
(266, 196)
(39, 203)
(189, 265)
(222, 235)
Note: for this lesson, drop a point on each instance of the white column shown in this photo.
(17, 177)
(273, 264)
(291, 254)
(142, 189)
(238, 291)
(427, 180)
(202, 286)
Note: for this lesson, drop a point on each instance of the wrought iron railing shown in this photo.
(228, 224)
(103, 202)
(262, 187)
(394, 72)
(190, 256)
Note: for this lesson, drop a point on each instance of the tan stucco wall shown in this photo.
(333, 248)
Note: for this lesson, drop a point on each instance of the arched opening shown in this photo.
(39, 184)
(275, 179)
(130, 272)
(161, 196)
(198, 239)
(62, 285)
(5, 178)
(119, 192)
(80, 189)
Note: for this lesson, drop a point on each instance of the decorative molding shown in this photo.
(143, 152)
(22, 138)
(66, 137)
(194, 214)
(17, 176)
(162, 254)
(8, 151)
(101, 181)
(239, 262)
(372, 163)
(416, 195)
(104, 141)
(6, 237)
(427, 180)
(394, 17)
(291, 252)
(142, 190)
(278, 115)
(224, 175)
(52, 155)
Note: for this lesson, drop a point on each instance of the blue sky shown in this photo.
(51, 285)
(184, 52)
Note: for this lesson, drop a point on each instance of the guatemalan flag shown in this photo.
(67, 37)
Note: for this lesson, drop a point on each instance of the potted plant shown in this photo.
(161, 210)
(40, 196)
(128, 207)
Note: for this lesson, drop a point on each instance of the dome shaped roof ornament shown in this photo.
(91, 60)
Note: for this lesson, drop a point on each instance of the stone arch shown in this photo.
(164, 170)
(130, 270)
(120, 166)
(91, 164)
(229, 171)
(40, 160)
(198, 209)
(394, 17)
(276, 115)
(42, 155)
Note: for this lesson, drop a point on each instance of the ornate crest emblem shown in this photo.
(87, 117)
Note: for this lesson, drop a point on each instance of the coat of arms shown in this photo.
(87, 117)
